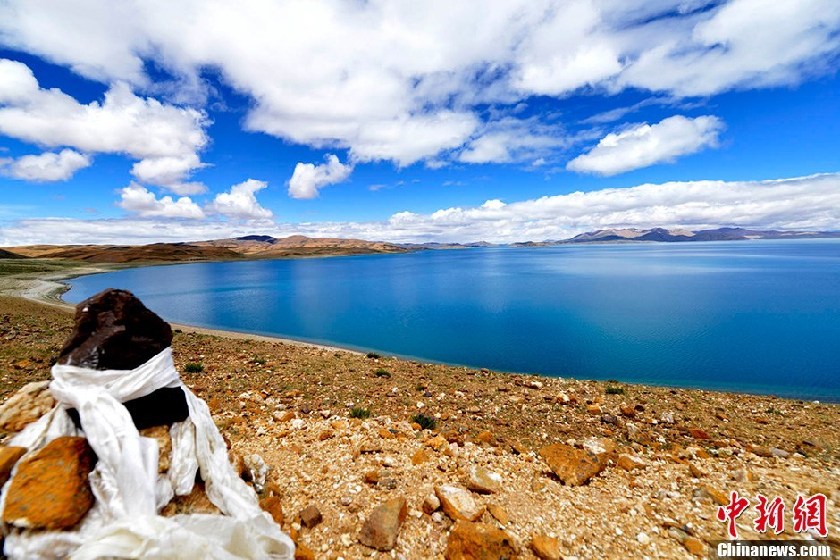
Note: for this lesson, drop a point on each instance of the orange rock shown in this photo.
(545, 547)
(484, 437)
(437, 443)
(499, 513)
(719, 497)
(594, 408)
(382, 527)
(326, 434)
(697, 433)
(194, 502)
(421, 456)
(696, 471)
(695, 546)
(479, 541)
(385, 434)
(629, 462)
(9, 456)
(303, 552)
(458, 503)
(573, 466)
(371, 477)
(272, 505)
(50, 489)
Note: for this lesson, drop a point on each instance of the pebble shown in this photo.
(458, 503)
(310, 516)
(382, 526)
(483, 481)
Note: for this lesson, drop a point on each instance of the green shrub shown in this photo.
(615, 390)
(194, 367)
(373, 355)
(382, 373)
(425, 421)
(259, 361)
(359, 412)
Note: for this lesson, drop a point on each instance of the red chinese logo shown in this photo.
(730, 512)
(809, 514)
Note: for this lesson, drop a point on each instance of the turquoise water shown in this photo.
(754, 316)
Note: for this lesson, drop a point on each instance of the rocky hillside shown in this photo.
(368, 453)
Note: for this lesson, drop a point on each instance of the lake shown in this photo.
(749, 316)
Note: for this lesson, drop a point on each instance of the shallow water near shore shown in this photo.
(752, 316)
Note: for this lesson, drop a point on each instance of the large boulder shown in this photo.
(114, 330)
(50, 489)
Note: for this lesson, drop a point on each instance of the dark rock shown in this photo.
(114, 330)
(310, 516)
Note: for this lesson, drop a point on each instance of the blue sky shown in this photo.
(133, 122)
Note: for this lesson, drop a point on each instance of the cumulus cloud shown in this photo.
(403, 81)
(138, 200)
(514, 140)
(48, 166)
(165, 138)
(308, 178)
(241, 202)
(645, 144)
(805, 203)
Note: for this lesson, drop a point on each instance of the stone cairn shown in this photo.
(47, 485)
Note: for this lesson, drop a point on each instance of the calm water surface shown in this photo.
(755, 316)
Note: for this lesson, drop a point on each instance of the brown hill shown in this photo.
(9, 255)
(254, 246)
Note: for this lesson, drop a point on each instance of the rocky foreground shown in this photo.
(514, 466)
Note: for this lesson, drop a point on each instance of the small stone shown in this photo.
(164, 440)
(609, 419)
(667, 418)
(345, 501)
(272, 505)
(545, 547)
(385, 434)
(458, 503)
(594, 408)
(697, 433)
(719, 497)
(474, 410)
(643, 538)
(194, 502)
(776, 452)
(484, 437)
(371, 477)
(696, 471)
(257, 470)
(629, 462)
(50, 489)
(420, 457)
(483, 481)
(743, 475)
(499, 513)
(284, 416)
(437, 443)
(695, 546)
(382, 527)
(574, 466)
(310, 516)
(387, 484)
(627, 410)
(9, 456)
(479, 541)
(431, 504)
(303, 552)
(325, 435)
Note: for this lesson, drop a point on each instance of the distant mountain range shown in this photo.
(662, 235)
(267, 247)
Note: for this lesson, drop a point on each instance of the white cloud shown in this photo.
(241, 202)
(138, 200)
(644, 144)
(48, 166)
(509, 140)
(806, 203)
(308, 178)
(403, 81)
(165, 138)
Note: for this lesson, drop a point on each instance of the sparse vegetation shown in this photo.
(615, 390)
(260, 361)
(382, 373)
(194, 367)
(425, 421)
(360, 412)
(373, 356)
